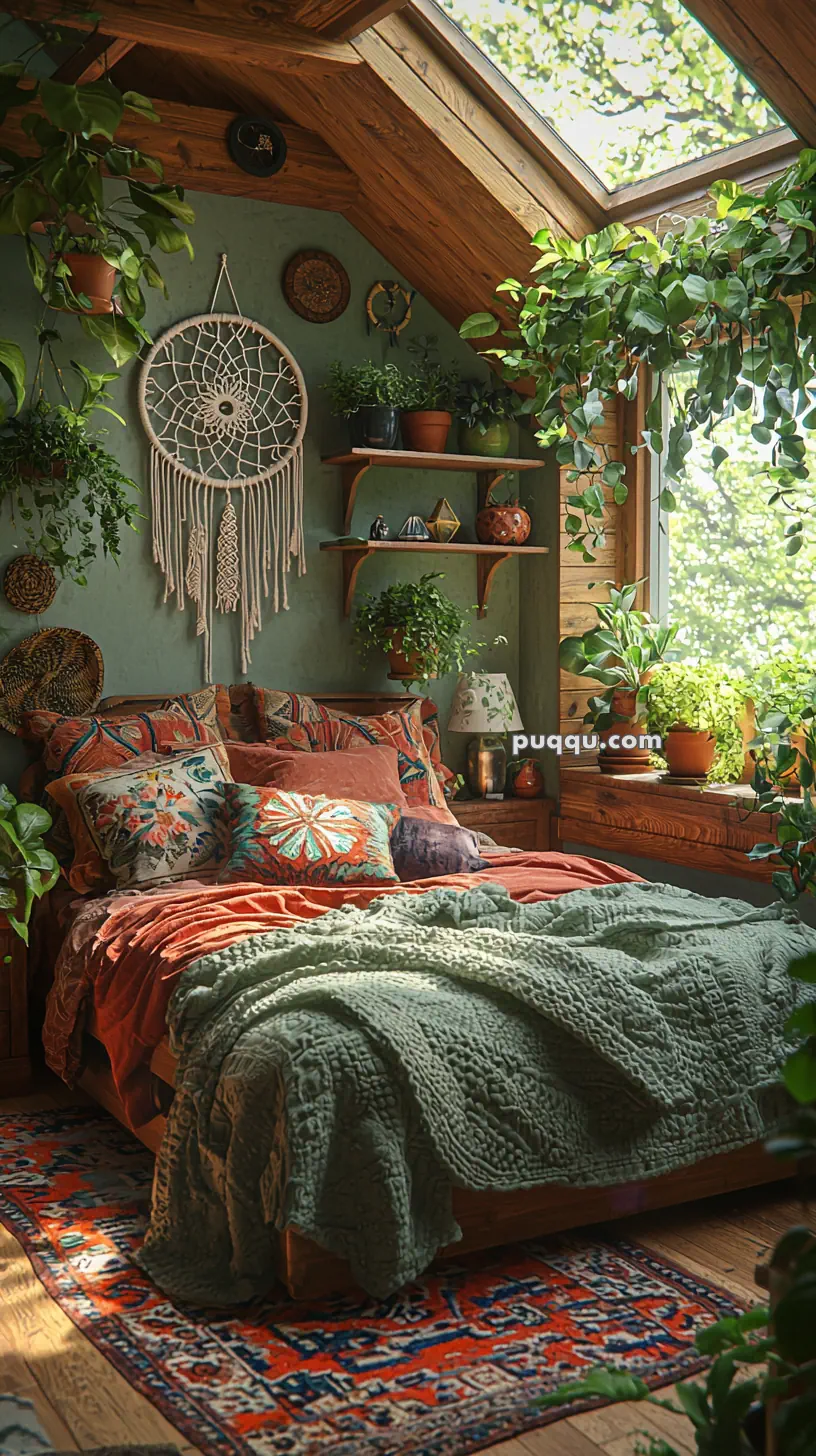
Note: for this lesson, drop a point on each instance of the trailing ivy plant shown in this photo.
(621, 652)
(715, 296)
(56, 182)
(705, 698)
(431, 627)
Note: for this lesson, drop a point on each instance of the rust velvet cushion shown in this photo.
(369, 773)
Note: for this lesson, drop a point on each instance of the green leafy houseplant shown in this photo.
(713, 295)
(59, 479)
(428, 384)
(27, 869)
(704, 698)
(483, 403)
(784, 692)
(353, 387)
(764, 1359)
(620, 653)
(419, 623)
(56, 182)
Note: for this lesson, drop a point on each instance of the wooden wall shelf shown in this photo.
(488, 560)
(355, 463)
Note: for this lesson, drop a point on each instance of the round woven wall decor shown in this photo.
(57, 669)
(30, 584)
(316, 286)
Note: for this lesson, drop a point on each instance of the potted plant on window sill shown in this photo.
(430, 397)
(785, 694)
(369, 398)
(419, 628)
(484, 410)
(620, 653)
(700, 713)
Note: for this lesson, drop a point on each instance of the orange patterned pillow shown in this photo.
(282, 838)
(85, 745)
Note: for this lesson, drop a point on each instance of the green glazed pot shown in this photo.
(494, 442)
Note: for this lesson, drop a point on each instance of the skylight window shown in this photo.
(634, 87)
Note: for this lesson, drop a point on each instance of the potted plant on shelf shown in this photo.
(621, 653)
(370, 398)
(98, 253)
(430, 397)
(484, 409)
(59, 479)
(420, 629)
(27, 869)
(700, 713)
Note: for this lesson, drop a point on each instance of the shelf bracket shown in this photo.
(352, 561)
(486, 568)
(352, 475)
(486, 480)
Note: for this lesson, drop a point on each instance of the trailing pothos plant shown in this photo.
(715, 297)
(68, 145)
(417, 619)
(27, 869)
(620, 653)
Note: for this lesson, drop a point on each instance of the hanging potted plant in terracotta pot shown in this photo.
(417, 626)
(698, 710)
(430, 397)
(620, 653)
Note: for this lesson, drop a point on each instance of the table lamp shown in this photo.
(483, 703)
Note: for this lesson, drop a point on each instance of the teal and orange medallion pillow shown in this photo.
(283, 838)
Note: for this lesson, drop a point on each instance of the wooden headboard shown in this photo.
(357, 704)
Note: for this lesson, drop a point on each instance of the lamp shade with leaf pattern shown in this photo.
(483, 702)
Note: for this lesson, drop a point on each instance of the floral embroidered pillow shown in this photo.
(283, 838)
(157, 818)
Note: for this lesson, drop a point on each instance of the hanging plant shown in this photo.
(59, 479)
(53, 188)
(716, 296)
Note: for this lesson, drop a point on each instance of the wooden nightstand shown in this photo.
(517, 823)
(15, 1066)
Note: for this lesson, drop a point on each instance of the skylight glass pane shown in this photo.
(633, 86)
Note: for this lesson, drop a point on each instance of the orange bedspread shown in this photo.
(124, 953)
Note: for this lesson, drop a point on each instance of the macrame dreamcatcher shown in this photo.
(224, 406)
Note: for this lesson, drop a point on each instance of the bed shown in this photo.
(80, 1052)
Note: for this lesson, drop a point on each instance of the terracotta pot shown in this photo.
(426, 430)
(689, 752)
(625, 760)
(403, 666)
(503, 525)
(93, 276)
(57, 471)
(528, 783)
(495, 441)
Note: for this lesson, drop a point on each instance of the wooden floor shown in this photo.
(83, 1402)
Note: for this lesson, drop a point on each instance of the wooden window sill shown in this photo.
(709, 829)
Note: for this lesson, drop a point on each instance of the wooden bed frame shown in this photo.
(487, 1220)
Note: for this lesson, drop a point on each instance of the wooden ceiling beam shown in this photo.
(343, 19)
(191, 144)
(93, 59)
(248, 31)
(775, 47)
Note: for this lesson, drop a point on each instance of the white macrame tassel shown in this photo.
(228, 565)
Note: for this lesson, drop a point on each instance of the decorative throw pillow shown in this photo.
(209, 705)
(242, 723)
(83, 745)
(271, 704)
(160, 816)
(280, 838)
(430, 733)
(400, 729)
(369, 773)
(421, 849)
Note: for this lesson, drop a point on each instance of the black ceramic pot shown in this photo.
(378, 427)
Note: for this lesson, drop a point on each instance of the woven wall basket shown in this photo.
(57, 669)
(30, 585)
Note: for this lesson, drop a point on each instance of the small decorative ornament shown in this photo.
(379, 529)
(224, 406)
(316, 286)
(443, 522)
(415, 530)
(388, 308)
(30, 584)
(508, 525)
(57, 669)
(256, 145)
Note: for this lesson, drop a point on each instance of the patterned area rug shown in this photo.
(447, 1366)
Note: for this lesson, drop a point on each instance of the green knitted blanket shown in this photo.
(456, 1039)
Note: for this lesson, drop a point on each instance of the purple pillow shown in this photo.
(422, 848)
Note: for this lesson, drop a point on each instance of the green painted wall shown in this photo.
(149, 646)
